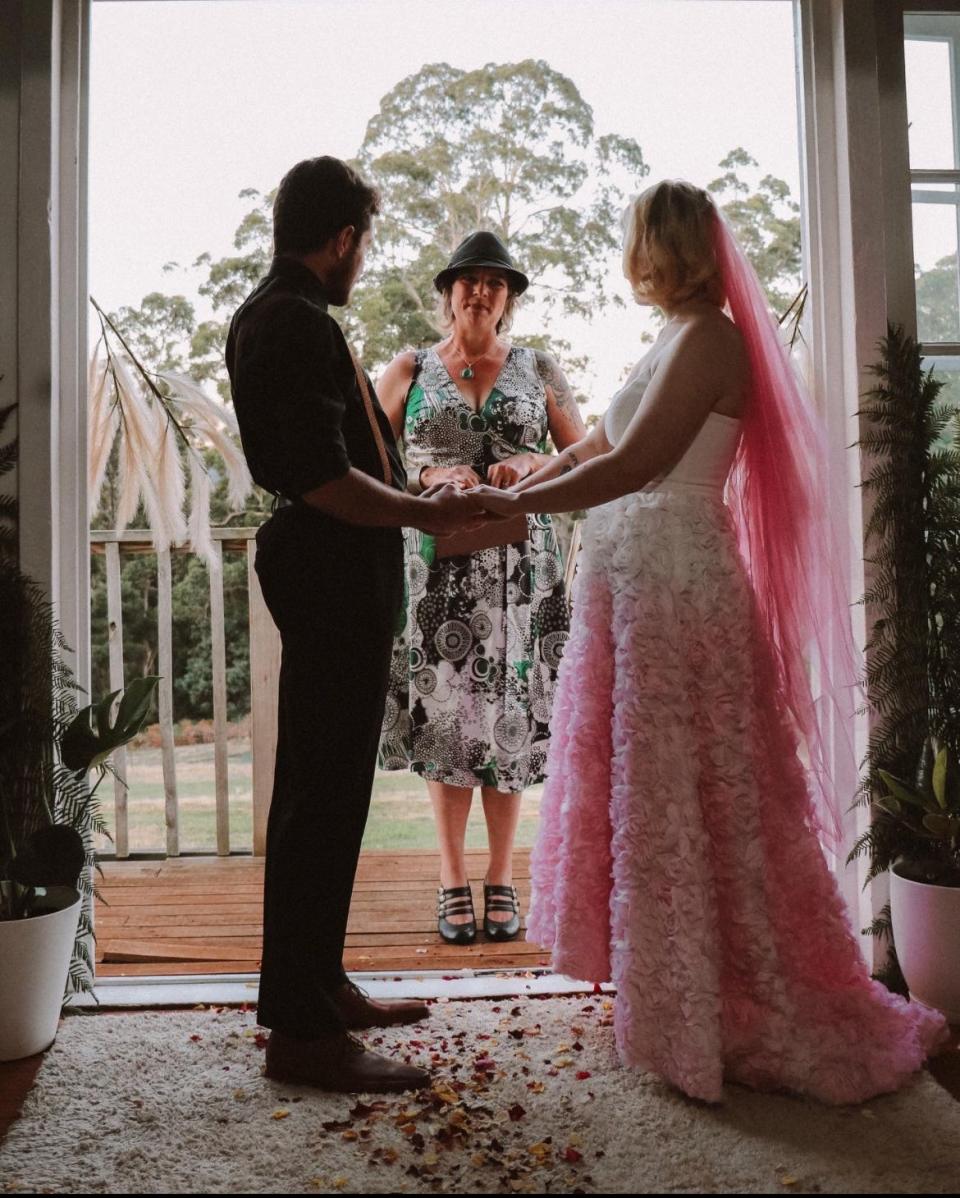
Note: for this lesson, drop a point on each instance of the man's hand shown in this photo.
(446, 509)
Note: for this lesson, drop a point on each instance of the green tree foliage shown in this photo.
(937, 301)
(510, 148)
(766, 220)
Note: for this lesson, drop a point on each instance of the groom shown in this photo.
(330, 563)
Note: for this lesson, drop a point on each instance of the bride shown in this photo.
(679, 848)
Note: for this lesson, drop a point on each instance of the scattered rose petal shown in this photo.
(536, 1087)
(516, 1112)
(583, 1074)
(571, 1155)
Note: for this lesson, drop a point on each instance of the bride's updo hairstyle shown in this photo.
(668, 245)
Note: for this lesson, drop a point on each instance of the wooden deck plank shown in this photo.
(203, 915)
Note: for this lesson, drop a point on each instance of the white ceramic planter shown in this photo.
(34, 962)
(926, 932)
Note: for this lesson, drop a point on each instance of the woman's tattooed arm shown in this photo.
(553, 377)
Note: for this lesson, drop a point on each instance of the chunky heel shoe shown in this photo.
(456, 900)
(500, 898)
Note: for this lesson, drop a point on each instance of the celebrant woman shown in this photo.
(485, 623)
(679, 850)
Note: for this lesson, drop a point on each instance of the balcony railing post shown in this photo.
(264, 684)
(218, 648)
(115, 641)
(165, 643)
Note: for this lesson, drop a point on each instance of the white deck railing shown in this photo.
(264, 677)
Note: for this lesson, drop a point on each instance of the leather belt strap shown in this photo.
(372, 417)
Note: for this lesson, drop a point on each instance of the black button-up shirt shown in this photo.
(301, 415)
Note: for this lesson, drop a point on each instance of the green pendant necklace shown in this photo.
(468, 371)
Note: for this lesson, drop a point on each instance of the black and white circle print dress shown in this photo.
(475, 659)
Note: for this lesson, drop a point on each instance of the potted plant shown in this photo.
(48, 814)
(925, 877)
(912, 443)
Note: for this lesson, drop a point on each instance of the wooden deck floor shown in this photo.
(203, 915)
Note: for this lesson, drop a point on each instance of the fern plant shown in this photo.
(913, 547)
(8, 503)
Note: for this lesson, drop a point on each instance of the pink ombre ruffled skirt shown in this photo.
(676, 854)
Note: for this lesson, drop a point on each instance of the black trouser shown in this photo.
(334, 592)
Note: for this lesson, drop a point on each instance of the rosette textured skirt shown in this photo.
(677, 855)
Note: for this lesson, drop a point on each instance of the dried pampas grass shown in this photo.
(164, 425)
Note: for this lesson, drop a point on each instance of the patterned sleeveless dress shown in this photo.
(475, 659)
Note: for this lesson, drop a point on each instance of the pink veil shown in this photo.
(779, 492)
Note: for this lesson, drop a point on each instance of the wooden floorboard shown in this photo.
(203, 915)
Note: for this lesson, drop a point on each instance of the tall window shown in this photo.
(932, 53)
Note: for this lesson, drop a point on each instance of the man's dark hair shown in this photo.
(315, 200)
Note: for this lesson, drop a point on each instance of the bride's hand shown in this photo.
(496, 502)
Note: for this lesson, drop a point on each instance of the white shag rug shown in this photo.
(527, 1098)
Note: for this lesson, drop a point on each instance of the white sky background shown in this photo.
(194, 100)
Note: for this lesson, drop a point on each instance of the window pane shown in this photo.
(947, 371)
(930, 109)
(935, 208)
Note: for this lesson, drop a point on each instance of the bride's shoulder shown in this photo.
(712, 329)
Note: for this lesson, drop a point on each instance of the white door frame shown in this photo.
(44, 56)
(858, 256)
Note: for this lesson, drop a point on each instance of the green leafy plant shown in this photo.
(913, 602)
(928, 814)
(49, 811)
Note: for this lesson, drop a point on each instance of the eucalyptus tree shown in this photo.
(511, 148)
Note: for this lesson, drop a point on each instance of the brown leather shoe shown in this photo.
(358, 1010)
(340, 1063)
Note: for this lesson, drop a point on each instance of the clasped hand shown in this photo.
(463, 502)
(471, 507)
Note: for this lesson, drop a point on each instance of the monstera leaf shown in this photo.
(90, 737)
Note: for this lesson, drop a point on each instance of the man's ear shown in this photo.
(345, 240)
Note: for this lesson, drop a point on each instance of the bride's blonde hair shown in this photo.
(668, 245)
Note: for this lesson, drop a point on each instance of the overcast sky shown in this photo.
(194, 100)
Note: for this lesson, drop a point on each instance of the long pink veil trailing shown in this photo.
(779, 492)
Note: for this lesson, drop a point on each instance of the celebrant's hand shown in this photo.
(496, 502)
(511, 470)
(460, 476)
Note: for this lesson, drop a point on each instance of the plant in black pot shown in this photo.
(48, 814)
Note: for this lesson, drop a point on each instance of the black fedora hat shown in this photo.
(482, 249)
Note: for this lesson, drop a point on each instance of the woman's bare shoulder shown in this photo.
(401, 369)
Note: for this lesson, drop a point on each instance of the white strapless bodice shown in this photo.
(708, 459)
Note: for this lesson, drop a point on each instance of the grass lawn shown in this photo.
(400, 815)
